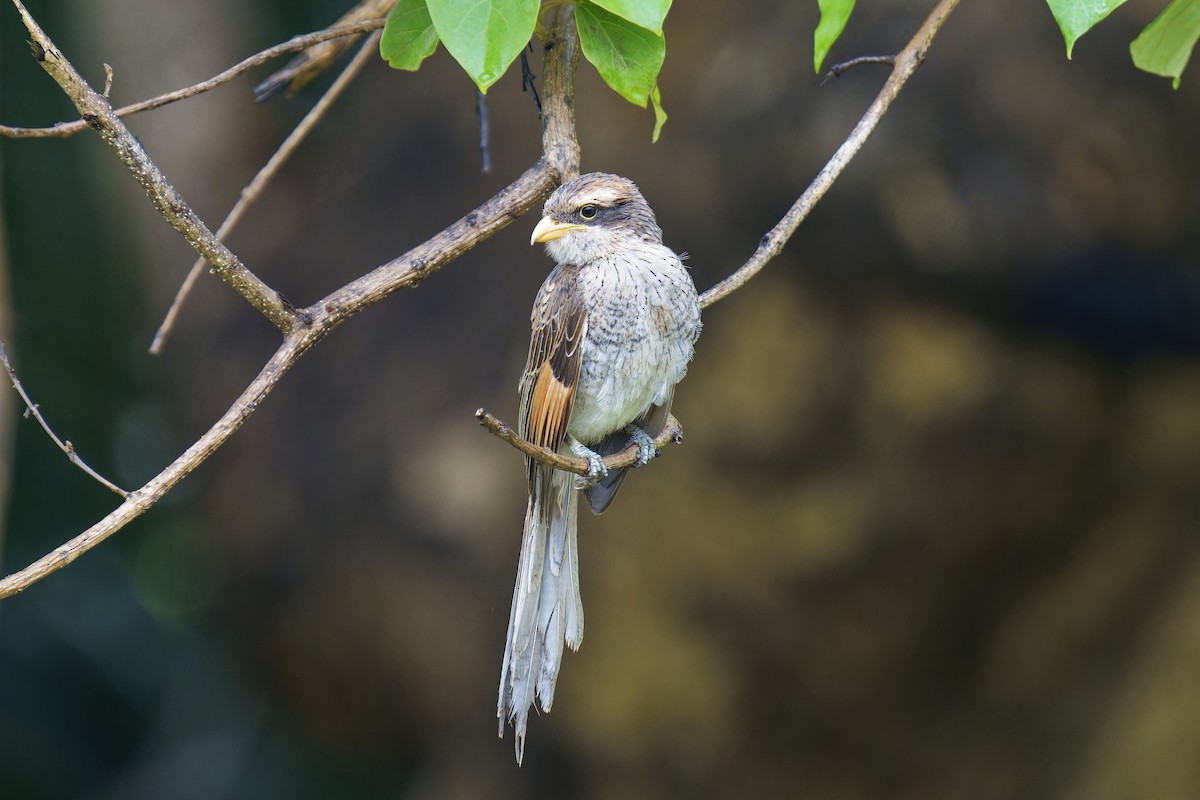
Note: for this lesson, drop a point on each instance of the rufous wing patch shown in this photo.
(549, 409)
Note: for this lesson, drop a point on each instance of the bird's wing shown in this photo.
(555, 353)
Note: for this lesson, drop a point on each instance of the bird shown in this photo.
(614, 328)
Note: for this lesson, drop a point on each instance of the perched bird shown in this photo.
(614, 326)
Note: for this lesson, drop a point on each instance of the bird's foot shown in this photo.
(645, 443)
(596, 468)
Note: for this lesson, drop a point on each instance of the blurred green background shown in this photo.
(933, 533)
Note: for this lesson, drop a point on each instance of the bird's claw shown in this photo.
(645, 444)
(596, 469)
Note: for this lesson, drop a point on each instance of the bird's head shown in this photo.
(594, 216)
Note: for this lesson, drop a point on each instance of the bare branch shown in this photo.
(527, 78)
(560, 159)
(316, 59)
(65, 129)
(137, 502)
(264, 176)
(672, 433)
(98, 113)
(837, 70)
(31, 409)
(906, 63)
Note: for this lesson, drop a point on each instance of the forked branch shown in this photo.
(95, 109)
(264, 176)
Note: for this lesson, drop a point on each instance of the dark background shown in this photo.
(933, 533)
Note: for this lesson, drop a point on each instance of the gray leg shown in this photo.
(596, 468)
(645, 443)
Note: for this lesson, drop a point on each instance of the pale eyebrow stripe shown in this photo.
(603, 197)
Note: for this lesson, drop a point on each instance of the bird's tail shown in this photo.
(547, 611)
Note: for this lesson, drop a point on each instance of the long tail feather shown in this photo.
(547, 611)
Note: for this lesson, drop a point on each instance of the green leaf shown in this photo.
(1165, 45)
(834, 14)
(409, 36)
(627, 56)
(1076, 17)
(484, 36)
(648, 14)
(660, 116)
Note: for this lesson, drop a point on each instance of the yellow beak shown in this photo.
(550, 229)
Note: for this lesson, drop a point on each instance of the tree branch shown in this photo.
(672, 433)
(65, 129)
(64, 445)
(560, 159)
(137, 502)
(906, 63)
(98, 113)
(316, 59)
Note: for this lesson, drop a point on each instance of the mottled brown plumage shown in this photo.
(613, 328)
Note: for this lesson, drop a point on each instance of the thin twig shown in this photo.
(672, 433)
(907, 61)
(65, 129)
(527, 85)
(31, 409)
(560, 160)
(98, 113)
(837, 70)
(264, 176)
(302, 69)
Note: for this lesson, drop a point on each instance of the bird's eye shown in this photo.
(588, 211)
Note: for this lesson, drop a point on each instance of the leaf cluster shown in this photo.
(1162, 48)
(623, 39)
